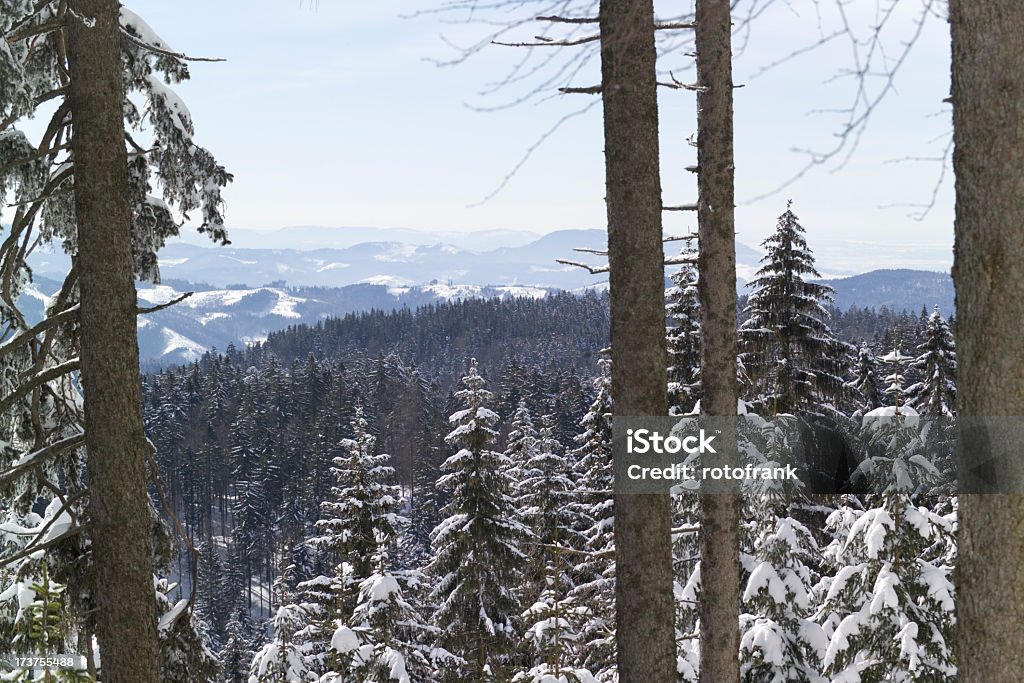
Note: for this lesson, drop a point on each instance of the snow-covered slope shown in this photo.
(216, 318)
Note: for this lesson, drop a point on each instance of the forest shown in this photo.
(429, 494)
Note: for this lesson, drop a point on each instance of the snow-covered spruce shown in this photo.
(794, 362)
(478, 547)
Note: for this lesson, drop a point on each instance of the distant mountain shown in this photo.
(899, 289)
(392, 263)
(218, 317)
(322, 237)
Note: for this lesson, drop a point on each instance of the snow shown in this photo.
(210, 317)
(337, 265)
(765, 577)
(180, 115)
(344, 640)
(907, 638)
(171, 615)
(175, 342)
(764, 636)
(848, 627)
(142, 30)
(389, 280)
(884, 592)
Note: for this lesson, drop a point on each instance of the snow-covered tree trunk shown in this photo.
(119, 515)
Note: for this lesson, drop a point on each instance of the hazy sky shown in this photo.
(330, 113)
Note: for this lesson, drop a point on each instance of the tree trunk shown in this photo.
(643, 588)
(988, 107)
(119, 516)
(716, 286)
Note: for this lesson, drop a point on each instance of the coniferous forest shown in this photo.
(430, 494)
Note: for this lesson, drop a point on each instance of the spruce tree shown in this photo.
(793, 359)
(683, 336)
(935, 395)
(477, 548)
(594, 573)
(866, 381)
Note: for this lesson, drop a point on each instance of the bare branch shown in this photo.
(159, 307)
(135, 40)
(593, 270)
(543, 41)
(570, 20)
(531, 149)
(590, 90)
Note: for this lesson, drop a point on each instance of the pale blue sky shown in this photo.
(329, 113)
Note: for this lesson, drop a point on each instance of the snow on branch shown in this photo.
(593, 270)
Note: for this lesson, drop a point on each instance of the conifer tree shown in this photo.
(477, 548)
(788, 350)
(778, 639)
(285, 658)
(935, 395)
(521, 448)
(594, 573)
(360, 513)
(866, 381)
(683, 337)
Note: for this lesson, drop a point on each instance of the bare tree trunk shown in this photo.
(988, 108)
(716, 285)
(119, 516)
(643, 587)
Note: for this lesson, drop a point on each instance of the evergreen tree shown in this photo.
(683, 335)
(360, 513)
(477, 549)
(866, 381)
(935, 395)
(779, 642)
(594, 574)
(284, 659)
(788, 350)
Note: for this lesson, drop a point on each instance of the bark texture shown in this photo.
(643, 588)
(988, 160)
(716, 286)
(119, 518)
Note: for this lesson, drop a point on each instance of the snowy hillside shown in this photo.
(218, 317)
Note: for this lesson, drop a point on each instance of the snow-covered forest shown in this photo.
(323, 486)
(429, 494)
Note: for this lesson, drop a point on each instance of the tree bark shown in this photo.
(643, 587)
(716, 286)
(988, 159)
(119, 516)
